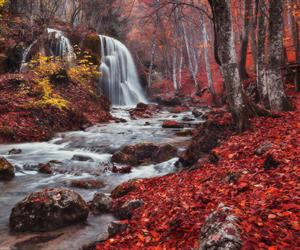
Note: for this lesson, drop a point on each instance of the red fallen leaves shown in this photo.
(267, 202)
(21, 122)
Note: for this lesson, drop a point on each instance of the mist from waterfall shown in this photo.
(119, 79)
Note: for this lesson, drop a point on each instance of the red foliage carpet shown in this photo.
(267, 202)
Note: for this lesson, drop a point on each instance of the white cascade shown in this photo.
(60, 45)
(25, 55)
(119, 79)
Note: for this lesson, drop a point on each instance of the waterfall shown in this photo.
(60, 45)
(119, 79)
(25, 55)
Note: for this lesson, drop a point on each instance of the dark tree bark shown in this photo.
(277, 98)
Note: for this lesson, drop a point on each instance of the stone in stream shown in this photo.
(220, 231)
(184, 133)
(15, 151)
(45, 168)
(87, 184)
(172, 124)
(82, 158)
(101, 203)
(116, 227)
(7, 170)
(144, 153)
(48, 210)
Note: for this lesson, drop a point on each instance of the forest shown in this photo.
(149, 124)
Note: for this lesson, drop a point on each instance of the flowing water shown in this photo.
(97, 142)
(119, 78)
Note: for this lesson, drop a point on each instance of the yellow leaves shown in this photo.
(2, 3)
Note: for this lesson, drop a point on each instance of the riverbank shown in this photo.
(23, 118)
(256, 174)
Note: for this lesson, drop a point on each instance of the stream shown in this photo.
(98, 142)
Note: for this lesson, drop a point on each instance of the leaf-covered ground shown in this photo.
(266, 200)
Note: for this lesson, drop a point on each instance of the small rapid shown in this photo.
(99, 143)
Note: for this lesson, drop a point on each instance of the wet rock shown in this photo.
(197, 113)
(125, 211)
(87, 184)
(270, 162)
(121, 169)
(47, 210)
(123, 189)
(172, 124)
(188, 119)
(144, 153)
(82, 158)
(116, 227)
(7, 170)
(45, 168)
(220, 231)
(184, 133)
(143, 110)
(120, 120)
(15, 151)
(147, 124)
(263, 148)
(164, 153)
(101, 203)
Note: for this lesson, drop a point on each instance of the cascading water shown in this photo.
(60, 45)
(25, 55)
(119, 79)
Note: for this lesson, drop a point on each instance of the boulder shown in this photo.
(87, 184)
(82, 158)
(121, 169)
(172, 124)
(220, 231)
(7, 170)
(264, 147)
(101, 203)
(143, 110)
(15, 151)
(47, 210)
(187, 119)
(45, 168)
(125, 211)
(144, 153)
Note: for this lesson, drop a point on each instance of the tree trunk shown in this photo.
(245, 40)
(207, 61)
(238, 104)
(277, 98)
(261, 56)
(294, 30)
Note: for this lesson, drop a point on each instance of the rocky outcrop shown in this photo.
(220, 231)
(7, 170)
(144, 153)
(207, 136)
(47, 210)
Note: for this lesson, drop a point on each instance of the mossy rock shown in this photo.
(93, 44)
